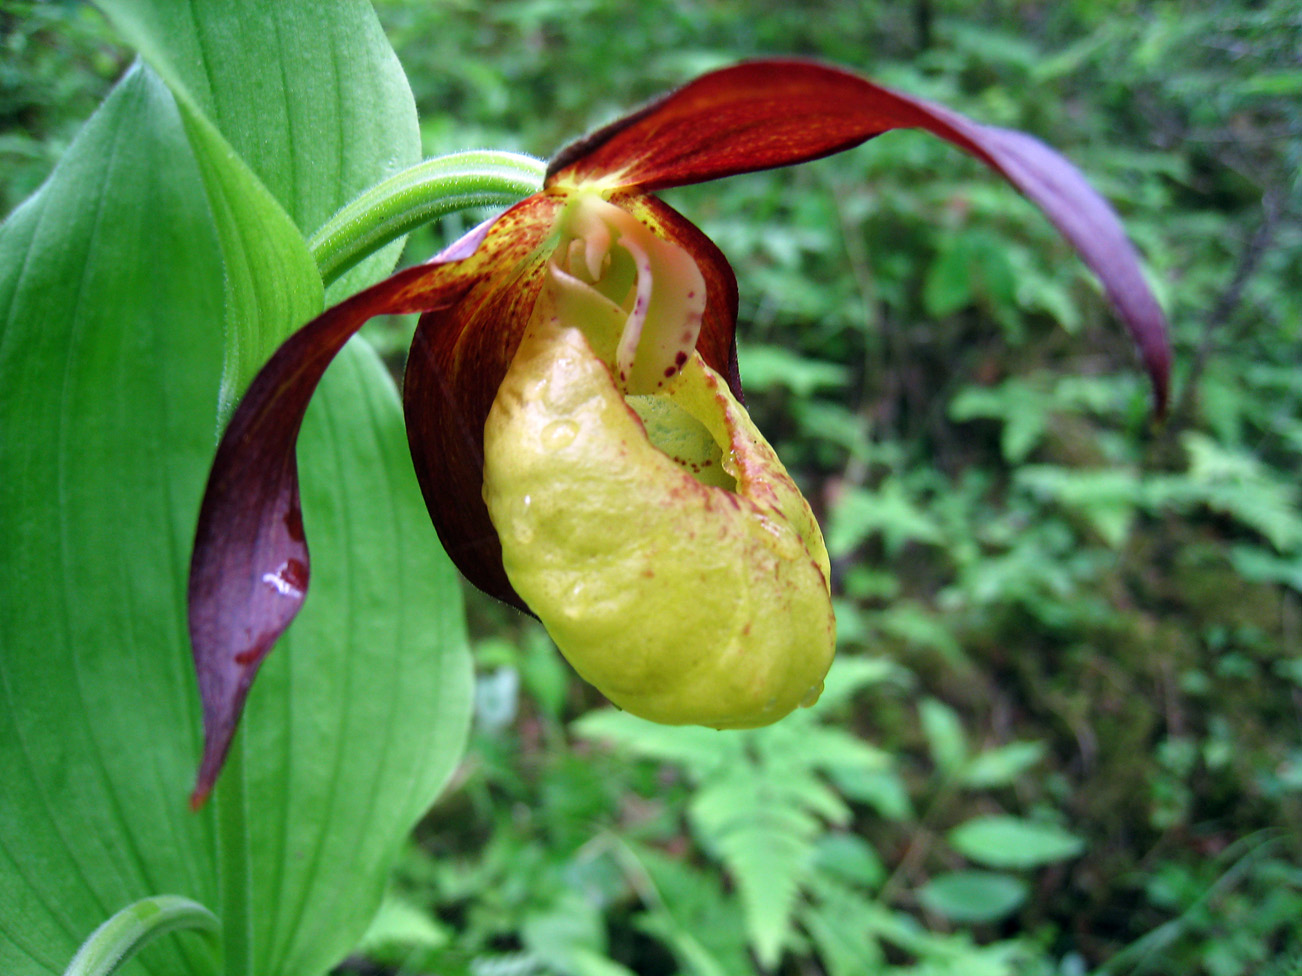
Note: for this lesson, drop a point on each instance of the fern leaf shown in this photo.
(767, 861)
(690, 913)
(837, 921)
(820, 747)
(765, 841)
(701, 751)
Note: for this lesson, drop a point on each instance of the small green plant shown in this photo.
(774, 809)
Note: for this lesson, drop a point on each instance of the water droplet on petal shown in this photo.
(559, 434)
(782, 541)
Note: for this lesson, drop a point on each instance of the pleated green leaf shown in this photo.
(110, 350)
(111, 306)
(308, 93)
(293, 109)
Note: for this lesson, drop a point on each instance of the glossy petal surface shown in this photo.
(683, 602)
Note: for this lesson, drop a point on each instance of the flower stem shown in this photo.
(418, 195)
(118, 939)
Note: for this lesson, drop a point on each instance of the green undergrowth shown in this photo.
(1064, 732)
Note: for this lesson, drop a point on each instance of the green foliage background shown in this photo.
(1065, 732)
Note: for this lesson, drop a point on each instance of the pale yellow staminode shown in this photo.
(682, 572)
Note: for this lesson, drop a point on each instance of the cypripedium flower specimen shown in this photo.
(574, 412)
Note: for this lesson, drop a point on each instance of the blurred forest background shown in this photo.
(1064, 733)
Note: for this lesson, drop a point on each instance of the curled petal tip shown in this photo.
(249, 571)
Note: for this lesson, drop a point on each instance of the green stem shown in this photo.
(234, 887)
(418, 195)
(118, 939)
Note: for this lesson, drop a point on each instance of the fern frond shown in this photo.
(768, 861)
(690, 913)
(940, 954)
(837, 920)
(701, 751)
(762, 803)
(812, 746)
(765, 840)
(739, 799)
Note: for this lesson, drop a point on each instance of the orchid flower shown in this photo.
(573, 410)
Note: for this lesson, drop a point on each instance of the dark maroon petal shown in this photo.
(457, 361)
(249, 571)
(778, 112)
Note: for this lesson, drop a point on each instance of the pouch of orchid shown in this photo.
(641, 515)
(574, 413)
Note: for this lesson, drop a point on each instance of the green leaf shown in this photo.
(862, 513)
(973, 896)
(923, 627)
(848, 676)
(110, 356)
(361, 714)
(948, 286)
(108, 376)
(851, 859)
(884, 790)
(944, 733)
(1002, 765)
(292, 109)
(401, 925)
(767, 366)
(309, 95)
(271, 282)
(1273, 83)
(1009, 842)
